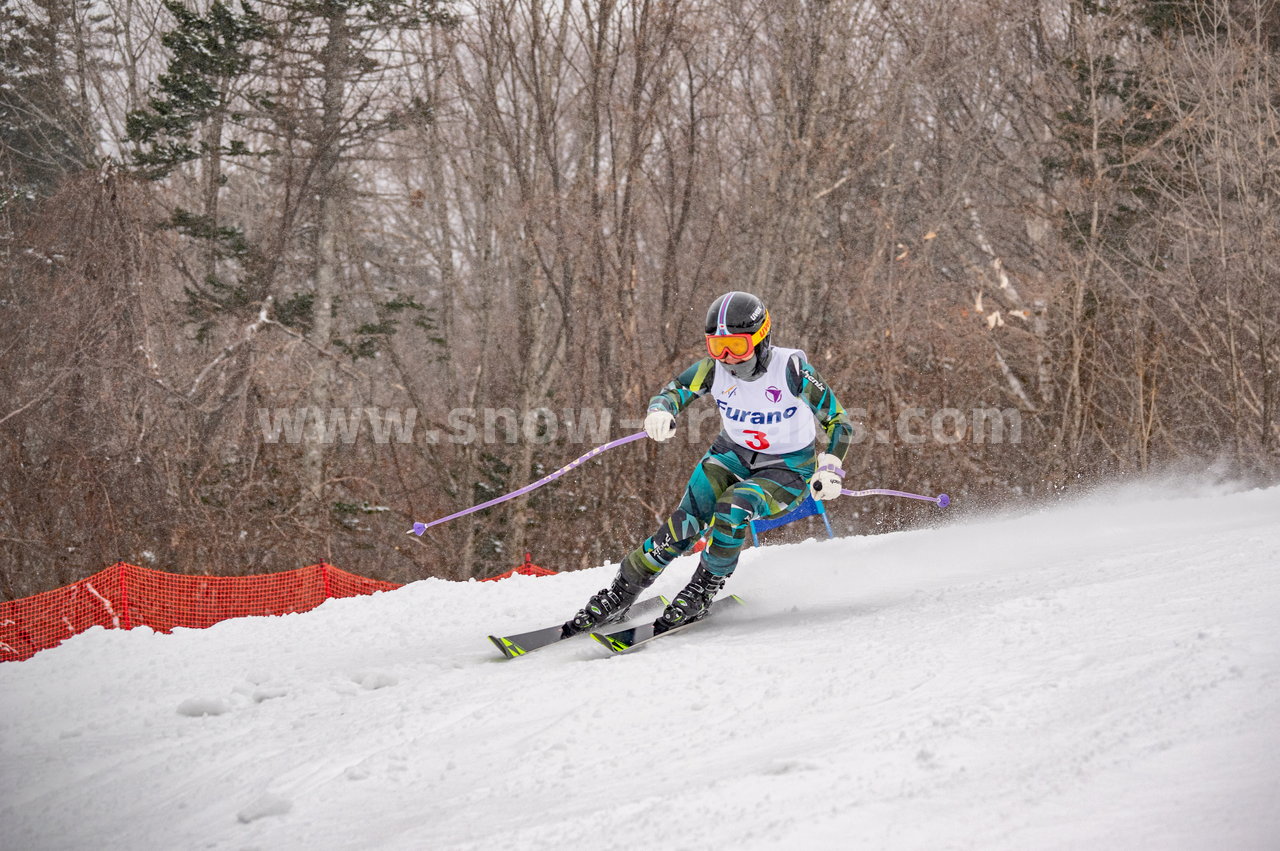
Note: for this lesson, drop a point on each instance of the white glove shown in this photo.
(660, 425)
(825, 483)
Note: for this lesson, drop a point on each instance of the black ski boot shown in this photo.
(694, 601)
(609, 605)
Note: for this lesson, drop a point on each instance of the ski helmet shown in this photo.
(738, 324)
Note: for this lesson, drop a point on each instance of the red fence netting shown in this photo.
(526, 569)
(124, 596)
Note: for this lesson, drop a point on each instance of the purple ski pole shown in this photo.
(941, 500)
(419, 528)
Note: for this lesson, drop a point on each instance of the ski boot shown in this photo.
(694, 601)
(609, 605)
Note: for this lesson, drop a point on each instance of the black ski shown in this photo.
(526, 642)
(632, 637)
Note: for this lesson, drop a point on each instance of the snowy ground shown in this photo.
(1104, 674)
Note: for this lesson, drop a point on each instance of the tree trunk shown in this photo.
(328, 206)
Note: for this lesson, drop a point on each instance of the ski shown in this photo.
(526, 642)
(632, 637)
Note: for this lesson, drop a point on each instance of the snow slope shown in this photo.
(1102, 674)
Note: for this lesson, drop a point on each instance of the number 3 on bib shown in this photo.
(758, 440)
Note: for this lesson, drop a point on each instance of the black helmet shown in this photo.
(741, 314)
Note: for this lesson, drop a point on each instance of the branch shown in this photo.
(229, 350)
(1015, 383)
(40, 398)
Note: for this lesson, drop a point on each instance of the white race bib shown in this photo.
(763, 415)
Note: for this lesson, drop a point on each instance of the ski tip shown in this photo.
(508, 647)
(613, 644)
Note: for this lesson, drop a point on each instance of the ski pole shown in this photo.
(419, 528)
(941, 500)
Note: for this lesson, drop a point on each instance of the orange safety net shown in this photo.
(124, 596)
(526, 569)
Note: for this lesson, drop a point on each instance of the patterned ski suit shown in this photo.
(738, 480)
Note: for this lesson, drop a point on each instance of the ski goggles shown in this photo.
(721, 346)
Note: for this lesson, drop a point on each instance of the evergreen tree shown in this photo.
(40, 139)
(337, 70)
(199, 113)
(303, 88)
(1110, 118)
(194, 97)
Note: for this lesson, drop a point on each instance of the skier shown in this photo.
(758, 466)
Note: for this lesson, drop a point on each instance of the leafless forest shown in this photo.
(217, 219)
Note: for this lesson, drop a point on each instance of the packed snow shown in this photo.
(1104, 673)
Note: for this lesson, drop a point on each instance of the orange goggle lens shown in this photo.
(722, 346)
